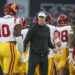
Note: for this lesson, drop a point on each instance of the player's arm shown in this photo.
(70, 44)
(73, 27)
(19, 41)
(17, 34)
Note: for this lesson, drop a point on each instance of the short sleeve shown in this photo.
(18, 21)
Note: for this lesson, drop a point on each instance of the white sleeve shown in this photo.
(69, 29)
(18, 21)
(24, 33)
(20, 44)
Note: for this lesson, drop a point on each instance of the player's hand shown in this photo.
(69, 59)
(23, 58)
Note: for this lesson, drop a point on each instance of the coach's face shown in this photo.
(41, 20)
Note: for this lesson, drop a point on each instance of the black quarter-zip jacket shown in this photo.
(39, 37)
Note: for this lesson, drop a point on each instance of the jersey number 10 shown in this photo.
(4, 31)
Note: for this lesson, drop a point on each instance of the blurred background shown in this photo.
(29, 8)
